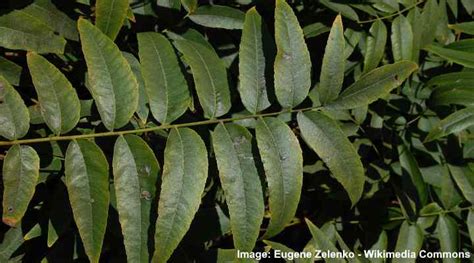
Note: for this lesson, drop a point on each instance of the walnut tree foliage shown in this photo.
(185, 130)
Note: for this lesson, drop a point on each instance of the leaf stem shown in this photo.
(150, 129)
(392, 15)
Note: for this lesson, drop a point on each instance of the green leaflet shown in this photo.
(189, 5)
(321, 241)
(46, 12)
(454, 123)
(463, 45)
(315, 29)
(453, 5)
(380, 244)
(470, 224)
(463, 79)
(252, 86)
(292, 63)
(464, 178)
(184, 177)
(34, 232)
(414, 16)
(344, 9)
(448, 235)
(459, 57)
(454, 95)
(449, 195)
(52, 234)
(241, 183)
(374, 85)
(425, 222)
(326, 138)
(283, 162)
(58, 100)
(142, 109)
(191, 35)
(165, 85)
(14, 115)
(210, 77)
(19, 30)
(332, 69)
(352, 38)
(466, 27)
(410, 237)
(218, 16)
(452, 88)
(10, 71)
(402, 39)
(429, 21)
(87, 182)
(135, 170)
(20, 175)
(375, 45)
(410, 165)
(112, 83)
(12, 240)
(110, 15)
(172, 4)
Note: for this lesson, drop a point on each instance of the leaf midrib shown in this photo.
(98, 48)
(160, 61)
(55, 97)
(89, 204)
(235, 153)
(214, 93)
(180, 194)
(282, 188)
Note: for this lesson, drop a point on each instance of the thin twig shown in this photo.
(142, 130)
(392, 15)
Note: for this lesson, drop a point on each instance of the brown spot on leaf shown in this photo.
(9, 221)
